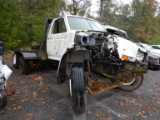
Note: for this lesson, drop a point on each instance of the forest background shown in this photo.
(21, 21)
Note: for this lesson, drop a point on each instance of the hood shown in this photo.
(126, 47)
(154, 52)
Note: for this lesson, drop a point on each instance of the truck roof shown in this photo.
(75, 16)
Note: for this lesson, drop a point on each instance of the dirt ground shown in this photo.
(38, 97)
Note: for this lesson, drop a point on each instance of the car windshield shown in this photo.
(78, 23)
(156, 47)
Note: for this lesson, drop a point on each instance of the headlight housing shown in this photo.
(125, 57)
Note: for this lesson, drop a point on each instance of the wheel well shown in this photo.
(74, 57)
(71, 57)
(27, 55)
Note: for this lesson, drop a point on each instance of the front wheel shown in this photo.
(133, 84)
(78, 88)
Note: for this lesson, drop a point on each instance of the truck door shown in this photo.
(56, 39)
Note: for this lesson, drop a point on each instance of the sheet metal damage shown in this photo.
(113, 57)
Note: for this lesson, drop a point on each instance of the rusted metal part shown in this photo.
(120, 76)
(96, 87)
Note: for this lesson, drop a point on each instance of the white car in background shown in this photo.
(156, 47)
(153, 55)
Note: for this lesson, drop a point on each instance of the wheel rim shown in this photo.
(130, 82)
(70, 88)
(14, 59)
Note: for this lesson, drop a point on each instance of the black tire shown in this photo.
(134, 85)
(61, 78)
(151, 67)
(79, 99)
(15, 61)
(55, 64)
(3, 99)
(23, 66)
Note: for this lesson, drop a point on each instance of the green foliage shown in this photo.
(118, 16)
(145, 21)
(22, 21)
(8, 23)
(79, 7)
(33, 14)
(137, 19)
(155, 40)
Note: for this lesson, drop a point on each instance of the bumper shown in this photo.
(154, 61)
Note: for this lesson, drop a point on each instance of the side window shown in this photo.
(59, 26)
(155, 47)
(55, 27)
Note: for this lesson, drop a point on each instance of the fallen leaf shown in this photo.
(10, 92)
(141, 114)
(43, 102)
(10, 84)
(35, 94)
(124, 116)
(16, 109)
(30, 115)
(126, 106)
(54, 108)
(35, 78)
(106, 119)
(99, 113)
(121, 104)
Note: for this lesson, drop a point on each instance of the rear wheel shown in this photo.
(78, 88)
(15, 61)
(3, 99)
(133, 84)
(23, 66)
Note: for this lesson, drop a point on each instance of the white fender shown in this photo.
(6, 71)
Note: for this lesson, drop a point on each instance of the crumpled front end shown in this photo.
(154, 57)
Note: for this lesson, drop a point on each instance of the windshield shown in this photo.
(78, 23)
(156, 47)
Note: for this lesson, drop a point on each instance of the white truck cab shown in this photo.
(62, 31)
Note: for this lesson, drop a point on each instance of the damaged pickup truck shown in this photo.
(81, 46)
